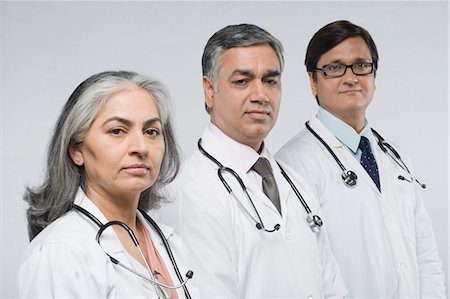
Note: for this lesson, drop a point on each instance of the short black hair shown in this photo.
(330, 36)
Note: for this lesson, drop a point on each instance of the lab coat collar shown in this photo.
(241, 158)
(341, 130)
(228, 151)
(349, 160)
(111, 244)
(166, 230)
(323, 132)
(83, 201)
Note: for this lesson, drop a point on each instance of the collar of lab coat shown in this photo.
(347, 157)
(228, 151)
(241, 158)
(110, 243)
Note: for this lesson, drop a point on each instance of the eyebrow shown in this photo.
(244, 72)
(357, 59)
(128, 123)
(272, 73)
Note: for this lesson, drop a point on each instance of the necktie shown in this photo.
(368, 161)
(263, 168)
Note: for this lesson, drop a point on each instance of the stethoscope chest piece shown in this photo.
(315, 222)
(349, 177)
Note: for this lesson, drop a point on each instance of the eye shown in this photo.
(363, 65)
(241, 82)
(117, 132)
(333, 67)
(271, 81)
(153, 132)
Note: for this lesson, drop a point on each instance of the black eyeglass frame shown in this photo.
(351, 66)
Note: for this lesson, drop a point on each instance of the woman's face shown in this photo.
(124, 146)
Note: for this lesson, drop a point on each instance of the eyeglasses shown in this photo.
(334, 70)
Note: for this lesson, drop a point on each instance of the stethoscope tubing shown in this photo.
(385, 147)
(102, 228)
(314, 221)
(169, 253)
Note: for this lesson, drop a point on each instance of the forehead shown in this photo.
(131, 101)
(249, 57)
(347, 51)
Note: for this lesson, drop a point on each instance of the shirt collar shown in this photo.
(228, 151)
(342, 131)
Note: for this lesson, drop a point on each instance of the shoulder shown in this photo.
(63, 257)
(196, 179)
(69, 234)
(303, 150)
(196, 194)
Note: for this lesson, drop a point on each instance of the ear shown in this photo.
(313, 83)
(76, 155)
(208, 89)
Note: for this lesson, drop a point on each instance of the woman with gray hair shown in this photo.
(112, 151)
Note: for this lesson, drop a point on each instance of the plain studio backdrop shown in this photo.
(48, 48)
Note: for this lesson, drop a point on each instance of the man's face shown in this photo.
(346, 97)
(246, 102)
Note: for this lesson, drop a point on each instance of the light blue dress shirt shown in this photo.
(345, 133)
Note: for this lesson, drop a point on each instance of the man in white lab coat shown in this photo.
(378, 226)
(247, 247)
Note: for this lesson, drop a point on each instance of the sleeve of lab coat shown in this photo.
(200, 215)
(59, 271)
(430, 267)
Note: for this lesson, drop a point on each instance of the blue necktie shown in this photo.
(368, 161)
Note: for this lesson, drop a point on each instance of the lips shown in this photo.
(351, 91)
(137, 169)
(261, 112)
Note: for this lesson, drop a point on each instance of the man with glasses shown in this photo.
(378, 226)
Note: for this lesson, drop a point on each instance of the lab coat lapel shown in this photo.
(362, 174)
(256, 193)
(109, 241)
(347, 159)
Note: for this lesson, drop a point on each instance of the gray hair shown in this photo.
(232, 36)
(55, 196)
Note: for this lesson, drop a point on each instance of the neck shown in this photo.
(120, 207)
(354, 120)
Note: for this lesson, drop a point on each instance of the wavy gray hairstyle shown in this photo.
(55, 196)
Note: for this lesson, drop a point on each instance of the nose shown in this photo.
(259, 94)
(349, 77)
(137, 145)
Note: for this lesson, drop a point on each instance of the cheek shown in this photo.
(276, 101)
(158, 155)
(370, 88)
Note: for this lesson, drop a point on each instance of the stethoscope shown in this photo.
(314, 221)
(349, 177)
(151, 279)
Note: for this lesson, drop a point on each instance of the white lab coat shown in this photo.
(383, 242)
(65, 261)
(232, 258)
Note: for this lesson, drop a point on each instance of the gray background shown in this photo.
(48, 48)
